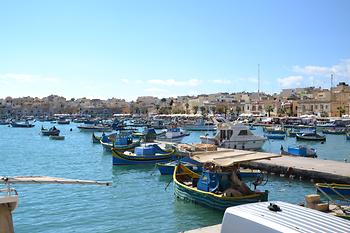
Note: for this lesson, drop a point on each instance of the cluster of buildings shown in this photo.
(321, 102)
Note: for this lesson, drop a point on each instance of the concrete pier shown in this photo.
(316, 170)
(209, 229)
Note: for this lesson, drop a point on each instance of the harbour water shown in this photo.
(137, 201)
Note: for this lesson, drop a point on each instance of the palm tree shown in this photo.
(238, 110)
(202, 108)
(269, 109)
(187, 106)
(281, 111)
(195, 109)
(341, 110)
(213, 109)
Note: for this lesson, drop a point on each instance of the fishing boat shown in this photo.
(56, 137)
(275, 136)
(274, 130)
(293, 132)
(174, 135)
(200, 125)
(167, 168)
(95, 138)
(335, 189)
(218, 186)
(63, 122)
(149, 134)
(4, 122)
(95, 128)
(311, 136)
(147, 154)
(53, 131)
(122, 143)
(337, 131)
(25, 124)
(303, 151)
(234, 136)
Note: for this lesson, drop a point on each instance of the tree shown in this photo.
(157, 108)
(269, 109)
(202, 108)
(187, 106)
(195, 109)
(281, 111)
(213, 109)
(163, 100)
(238, 110)
(341, 110)
(220, 109)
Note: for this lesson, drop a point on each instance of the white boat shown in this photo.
(276, 217)
(234, 136)
(174, 135)
(200, 125)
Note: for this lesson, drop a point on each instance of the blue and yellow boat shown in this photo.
(334, 189)
(149, 154)
(208, 189)
(120, 143)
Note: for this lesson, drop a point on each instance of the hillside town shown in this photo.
(296, 102)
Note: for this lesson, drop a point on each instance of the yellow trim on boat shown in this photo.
(333, 185)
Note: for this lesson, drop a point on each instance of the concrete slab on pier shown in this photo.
(316, 169)
(209, 229)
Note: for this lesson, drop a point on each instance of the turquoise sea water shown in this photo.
(136, 202)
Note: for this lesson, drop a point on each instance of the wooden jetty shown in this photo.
(316, 170)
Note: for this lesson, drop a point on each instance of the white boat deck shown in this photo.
(257, 218)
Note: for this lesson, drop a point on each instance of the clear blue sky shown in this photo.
(127, 49)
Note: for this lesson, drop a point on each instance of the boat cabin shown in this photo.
(225, 133)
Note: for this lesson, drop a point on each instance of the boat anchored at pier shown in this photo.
(234, 136)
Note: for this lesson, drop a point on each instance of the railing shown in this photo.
(8, 192)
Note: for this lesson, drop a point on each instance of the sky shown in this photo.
(125, 49)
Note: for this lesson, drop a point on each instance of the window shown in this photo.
(243, 132)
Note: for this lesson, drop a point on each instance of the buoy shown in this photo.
(71, 129)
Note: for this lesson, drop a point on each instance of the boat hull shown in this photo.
(109, 146)
(15, 125)
(120, 158)
(305, 138)
(94, 129)
(343, 189)
(244, 145)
